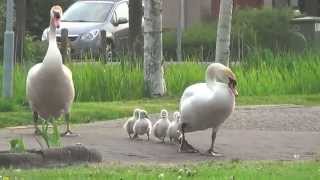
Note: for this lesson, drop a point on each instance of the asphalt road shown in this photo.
(251, 133)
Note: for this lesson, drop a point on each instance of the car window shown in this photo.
(85, 11)
(121, 11)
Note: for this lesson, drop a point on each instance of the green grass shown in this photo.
(85, 112)
(276, 170)
(263, 74)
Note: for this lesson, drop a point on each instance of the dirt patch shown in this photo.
(251, 133)
(50, 157)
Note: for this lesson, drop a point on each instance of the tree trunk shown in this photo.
(20, 26)
(223, 33)
(180, 27)
(153, 70)
(135, 28)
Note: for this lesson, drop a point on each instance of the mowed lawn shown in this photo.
(86, 112)
(213, 170)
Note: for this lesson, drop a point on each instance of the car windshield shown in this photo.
(85, 11)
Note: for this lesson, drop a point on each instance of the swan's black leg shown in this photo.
(211, 149)
(185, 147)
(35, 122)
(68, 131)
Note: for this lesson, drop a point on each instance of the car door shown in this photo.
(121, 30)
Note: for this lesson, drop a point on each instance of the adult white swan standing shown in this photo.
(207, 105)
(50, 89)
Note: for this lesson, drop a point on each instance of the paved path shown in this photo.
(252, 133)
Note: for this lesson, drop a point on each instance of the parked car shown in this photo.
(85, 19)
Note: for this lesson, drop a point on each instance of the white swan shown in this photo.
(143, 125)
(160, 128)
(50, 89)
(173, 129)
(128, 126)
(208, 105)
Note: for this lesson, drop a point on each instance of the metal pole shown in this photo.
(180, 27)
(8, 55)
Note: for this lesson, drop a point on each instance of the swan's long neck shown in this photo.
(211, 81)
(53, 56)
(52, 36)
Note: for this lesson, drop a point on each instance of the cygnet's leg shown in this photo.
(135, 135)
(68, 132)
(35, 121)
(163, 140)
(185, 147)
(211, 149)
(148, 135)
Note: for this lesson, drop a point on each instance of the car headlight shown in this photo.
(45, 35)
(90, 35)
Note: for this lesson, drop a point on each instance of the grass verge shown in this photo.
(262, 74)
(85, 112)
(306, 170)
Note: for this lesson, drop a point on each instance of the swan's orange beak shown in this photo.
(235, 92)
(232, 81)
(232, 85)
(56, 19)
(56, 13)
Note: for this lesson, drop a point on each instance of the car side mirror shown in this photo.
(121, 20)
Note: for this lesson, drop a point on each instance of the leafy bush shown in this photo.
(17, 145)
(251, 29)
(199, 40)
(38, 14)
(263, 28)
(7, 105)
(34, 50)
(51, 138)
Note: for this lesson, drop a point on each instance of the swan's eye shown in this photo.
(232, 82)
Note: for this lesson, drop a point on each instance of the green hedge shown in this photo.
(251, 29)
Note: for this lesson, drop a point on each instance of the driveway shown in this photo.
(252, 133)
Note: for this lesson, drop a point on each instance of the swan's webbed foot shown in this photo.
(135, 136)
(37, 131)
(185, 147)
(213, 153)
(69, 133)
(148, 135)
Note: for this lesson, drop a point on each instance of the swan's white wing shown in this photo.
(31, 85)
(154, 128)
(198, 91)
(127, 122)
(70, 92)
(204, 108)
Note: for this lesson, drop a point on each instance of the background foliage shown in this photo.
(38, 14)
(261, 74)
(2, 26)
(251, 29)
